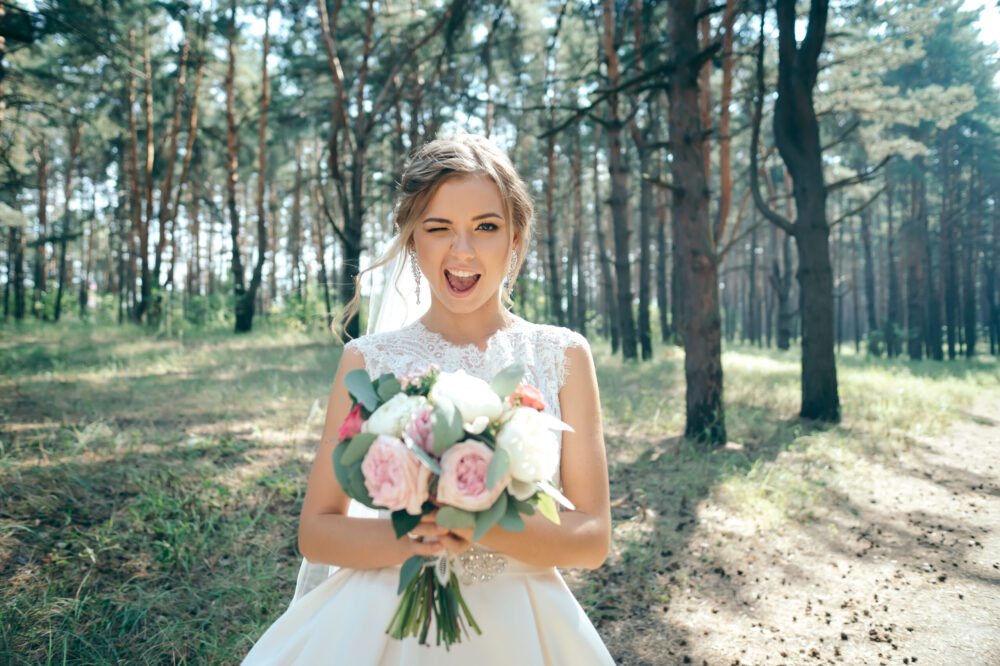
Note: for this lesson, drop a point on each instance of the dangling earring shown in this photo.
(416, 273)
(510, 274)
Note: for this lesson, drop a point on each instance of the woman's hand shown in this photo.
(429, 533)
(426, 538)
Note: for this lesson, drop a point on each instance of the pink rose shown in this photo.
(352, 424)
(419, 430)
(394, 477)
(527, 395)
(463, 477)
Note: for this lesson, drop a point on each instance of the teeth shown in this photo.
(461, 273)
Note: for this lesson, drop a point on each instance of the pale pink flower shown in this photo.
(394, 477)
(419, 430)
(463, 477)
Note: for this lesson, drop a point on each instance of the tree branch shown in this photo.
(786, 225)
(860, 208)
(859, 178)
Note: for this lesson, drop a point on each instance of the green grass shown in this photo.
(150, 486)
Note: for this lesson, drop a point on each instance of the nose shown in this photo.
(461, 246)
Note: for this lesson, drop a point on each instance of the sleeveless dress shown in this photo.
(527, 614)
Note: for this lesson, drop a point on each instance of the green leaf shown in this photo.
(511, 520)
(446, 424)
(409, 571)
(403, 522)
(388, 386)
(451, 518)
(487, 519)
(341, 470)
(508, 379)
(523, 507)
(359, 384)
(499, 464)
(547, 506)
(357, 489)
(358, 447)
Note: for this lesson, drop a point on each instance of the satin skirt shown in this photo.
(527, 616)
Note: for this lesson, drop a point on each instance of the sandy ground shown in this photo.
(903, 569)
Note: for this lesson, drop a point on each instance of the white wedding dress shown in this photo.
(527, 614)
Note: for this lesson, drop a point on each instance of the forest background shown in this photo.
(820, 177)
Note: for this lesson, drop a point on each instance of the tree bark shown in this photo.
(243, 317)
(607, 274)
(796, 132)
(551, 263)
(42, 160)
(869, 270)
(894, 306)
(695, 250)
(619, 188)
(970, 257)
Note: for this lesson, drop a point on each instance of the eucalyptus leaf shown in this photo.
(403, 522)
(409, 571)
(358, 447)
(508, 379)
(388, 386)
(451, 518)
(523, 507)
(487, 519)
(446, 424)
(359, 385)
(547, 506)
(511, 520)
(499, 465)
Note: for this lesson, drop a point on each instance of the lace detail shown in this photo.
(542, 349)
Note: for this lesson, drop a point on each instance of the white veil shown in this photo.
(392, 305)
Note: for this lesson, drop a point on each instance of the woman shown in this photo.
(464, 224)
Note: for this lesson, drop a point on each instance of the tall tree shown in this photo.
(796, 133)
(695, 251)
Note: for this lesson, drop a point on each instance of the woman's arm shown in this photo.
(326, 533)
(583, 536)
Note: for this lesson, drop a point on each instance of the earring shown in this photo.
(510, 274)
(416, 273)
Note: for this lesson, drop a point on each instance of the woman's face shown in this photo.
(462, 244)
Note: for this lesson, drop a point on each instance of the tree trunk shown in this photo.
(245, 310)
(894, 306)
(970, 255)
(75, 134)
(696, 245)
(607, 275)
(551, 263)
(949, 269)
(619, 188)
(42, 159)
(243, 305)
(796, 132)
(869, 269)
(993, 263)
(578, 300)
(916, 299)
(662, 252)
(932, 320)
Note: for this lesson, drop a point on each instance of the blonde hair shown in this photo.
(434, 163)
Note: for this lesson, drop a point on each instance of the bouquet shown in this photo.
(480, 454)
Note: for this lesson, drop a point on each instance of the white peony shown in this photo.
(533, 447)
(473, 398)
(392, 418)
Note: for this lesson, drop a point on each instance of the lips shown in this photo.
(461, 281)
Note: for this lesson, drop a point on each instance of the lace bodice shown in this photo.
(542, 349)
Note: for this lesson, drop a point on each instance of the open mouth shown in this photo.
(461, 282)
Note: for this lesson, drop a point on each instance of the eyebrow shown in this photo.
(475, 219)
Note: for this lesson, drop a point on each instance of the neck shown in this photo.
(474, 328)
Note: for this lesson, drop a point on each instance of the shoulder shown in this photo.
(560, 337)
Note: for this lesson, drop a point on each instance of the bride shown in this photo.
(464, 225)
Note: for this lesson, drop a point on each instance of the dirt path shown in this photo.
(903, 569)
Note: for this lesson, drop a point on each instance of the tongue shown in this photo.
(461, 283)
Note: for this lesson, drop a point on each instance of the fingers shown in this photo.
(426, 548)
(455, 544)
